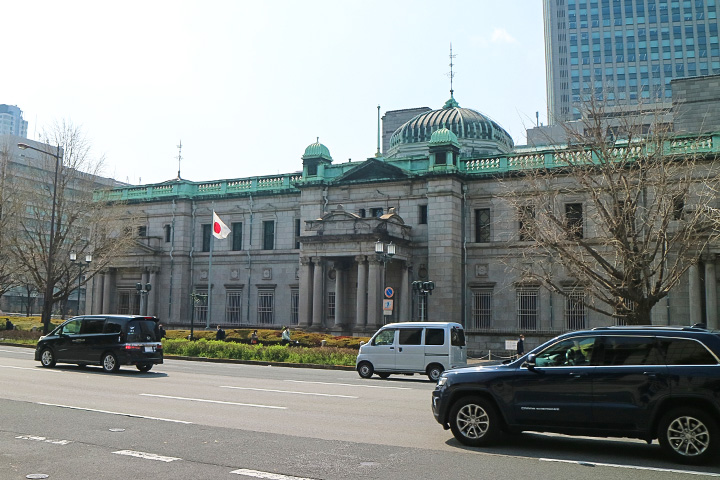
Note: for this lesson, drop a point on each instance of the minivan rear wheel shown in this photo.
(144, 367)
(689, 435)
(365, 369)
(47, 358)
(474, 421)
(434, 371)
(110, 363)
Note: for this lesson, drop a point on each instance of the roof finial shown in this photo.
(179, 157)
(378, 154)
(451, 74)
(317, 139)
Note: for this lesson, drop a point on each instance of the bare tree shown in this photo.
(619, 214)
(9, 210)
(61, 188)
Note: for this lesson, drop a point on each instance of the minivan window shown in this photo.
(386, 337)
(112, 327)
(457, 337)
(410, 336)
(619, 350)
(141, 331)
(93, 325)
(72, 327)
(686, 352)
(434, 336)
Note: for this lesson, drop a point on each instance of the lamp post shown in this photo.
(143, 290)
(196, 298)
(385, 255)
(74, 260)
(50, 280)
(423, 289)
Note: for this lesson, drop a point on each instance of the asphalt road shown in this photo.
(198, 420)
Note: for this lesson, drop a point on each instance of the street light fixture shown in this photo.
(423, 289)
(143, 290)
(74, 260)
(50, 282)
(385, 257)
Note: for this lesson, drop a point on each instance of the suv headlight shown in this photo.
(442, 381)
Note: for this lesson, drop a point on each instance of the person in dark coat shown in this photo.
(9, 325)
(521, 346)
(220, 334)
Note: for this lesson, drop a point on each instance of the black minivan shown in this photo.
(105, 340)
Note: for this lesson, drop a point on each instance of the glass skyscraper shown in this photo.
(624, 52)
(11, 121)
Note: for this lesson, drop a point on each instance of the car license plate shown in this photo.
(149, 349)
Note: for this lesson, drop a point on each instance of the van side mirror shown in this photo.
(529, 362)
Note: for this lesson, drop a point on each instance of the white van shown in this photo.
(413, 347)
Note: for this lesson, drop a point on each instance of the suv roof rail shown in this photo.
(693, 328)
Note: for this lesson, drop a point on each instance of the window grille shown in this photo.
(575, 313)
(295, 306)
(482, 309)
(233, 307)
(266, 303)
(527, 308)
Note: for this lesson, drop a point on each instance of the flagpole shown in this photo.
(212, 243)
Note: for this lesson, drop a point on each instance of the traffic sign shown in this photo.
(389, 292)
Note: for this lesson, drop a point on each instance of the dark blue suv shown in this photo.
(635, 382)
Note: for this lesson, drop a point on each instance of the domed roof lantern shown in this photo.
(317, 151)
(443, 136)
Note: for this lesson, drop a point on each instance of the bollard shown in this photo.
(323, 343)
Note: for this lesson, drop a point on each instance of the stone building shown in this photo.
(302, 247)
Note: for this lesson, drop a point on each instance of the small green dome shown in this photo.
(443, 136)
(317, 150)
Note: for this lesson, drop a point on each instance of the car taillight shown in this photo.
(132, 347)
(159, 346)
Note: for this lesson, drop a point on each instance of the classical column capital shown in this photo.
(317, 260)
(304, 261)
(360, 258)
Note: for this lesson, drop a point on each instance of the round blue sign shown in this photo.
(389, 292)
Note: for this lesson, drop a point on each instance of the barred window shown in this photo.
(233, 307)
(128, 302)
(294, 306)
(482, 308)
(575, 309)
(574, 220)
(201, 305)
(237, 234)
(526, 223)
(527, 308)
(268, 235)
(482, 225)
(331, 305)
(206, 231)
(266, 302)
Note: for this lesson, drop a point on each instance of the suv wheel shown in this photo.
(474, 421)
(365, 369)
(434, 371)
(689, 435)
(110, 363)
(47, 358)
(144, 367)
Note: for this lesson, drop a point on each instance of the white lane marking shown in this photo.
(349, 385)
(147, 456)
(213, 401)
(43, 439)
(630, 467)
(114, 413)
(34, 369)
(287, 391)
(268, 475)
(19, 351)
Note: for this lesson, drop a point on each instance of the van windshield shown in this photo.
(457, 337)
(142, 331)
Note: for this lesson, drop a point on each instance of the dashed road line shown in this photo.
(350, 385)
(213, 401)
(267, 475)
(122, 414)
(147, 456)
(288, 391)
(43, 439)
(631, 467)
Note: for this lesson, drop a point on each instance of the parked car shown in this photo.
(105, 340)
(635, 382)
(413, 347)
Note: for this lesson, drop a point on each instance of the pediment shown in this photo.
(372, 170)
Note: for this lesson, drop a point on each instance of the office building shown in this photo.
(11, 121)
(625, 52)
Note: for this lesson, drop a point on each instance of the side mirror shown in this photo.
(529, 362)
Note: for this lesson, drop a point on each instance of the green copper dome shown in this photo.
(317, 150)
(443, 136)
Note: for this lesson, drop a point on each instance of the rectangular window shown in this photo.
(294, 306)
(422, 214)
(233, 307)
(237, 236)
(575, 309)
(574, 219)
(297, 234)
(142, 231)
(482, 225)
(331, 305)
(206, 232)
(526, 223)
(265, 307)
(201, 305)
(410, 336)
(376, 212)
(361, 213)
(527, 308)
(434, 336)
(168, 233)
(128, 302)
(269, 235)
(482, 309)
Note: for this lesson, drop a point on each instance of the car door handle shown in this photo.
(578, 375)
(400, 349)
(392, 348)
(651, 374)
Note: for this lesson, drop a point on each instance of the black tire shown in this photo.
(688, 435)
(110, 363)
(47, 358)
(144, 367)
(365, 369)
(384, 375)
(475, 422)
(433, 371)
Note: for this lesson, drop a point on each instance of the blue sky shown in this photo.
(247, 85)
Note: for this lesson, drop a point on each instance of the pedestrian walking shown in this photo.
(220, 334)
(521, 346)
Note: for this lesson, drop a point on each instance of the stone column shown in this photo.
(152, 294)
(318, 293)
(404, 295)
(374, 297)
(107, 286)
(96, 305)
(339, 294)
(305, 294)
(711, 305)
(361, 304)
(695, 297)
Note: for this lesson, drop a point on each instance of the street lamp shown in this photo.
(385, 257)
(143, 290)
(50, 282)
(74, 260)
(423, 289)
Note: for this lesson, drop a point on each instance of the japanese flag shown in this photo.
(220, 230)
